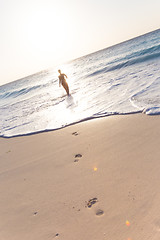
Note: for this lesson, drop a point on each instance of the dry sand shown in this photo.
(110, 190)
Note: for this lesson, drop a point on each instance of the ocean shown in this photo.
(121, 79)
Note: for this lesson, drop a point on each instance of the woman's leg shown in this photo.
(65, 85)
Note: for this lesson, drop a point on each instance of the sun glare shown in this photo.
(49, 32)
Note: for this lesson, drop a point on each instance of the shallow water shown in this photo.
(121, 79)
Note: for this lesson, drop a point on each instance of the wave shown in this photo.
(133, 61)
(142, 52)
(130, 59)
(14, 92)
(17, 93)
(94, 116)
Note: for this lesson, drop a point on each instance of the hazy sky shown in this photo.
(38, 34)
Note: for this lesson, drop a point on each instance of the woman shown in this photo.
(62, 81)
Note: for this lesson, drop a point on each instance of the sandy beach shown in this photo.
(90, 181)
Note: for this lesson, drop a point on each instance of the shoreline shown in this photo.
(94, 180)
(74, 123)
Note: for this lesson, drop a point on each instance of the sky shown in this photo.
(40, 34)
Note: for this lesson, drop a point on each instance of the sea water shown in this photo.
(121, 79)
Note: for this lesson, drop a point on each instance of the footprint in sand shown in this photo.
(75, 133)
(57, 234)
(8, 151)
(99, 212)
(91, 202)
(77, 156)
(76, 160)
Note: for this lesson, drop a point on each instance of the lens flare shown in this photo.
(95, 169)
(127, 223)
